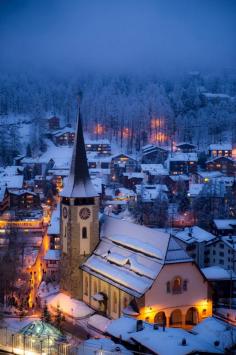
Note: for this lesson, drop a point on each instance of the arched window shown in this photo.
(84, 233)
(125, 302)
(185, 285)
(114, 307)
(86, 286)
(95, 287)
(177, 285)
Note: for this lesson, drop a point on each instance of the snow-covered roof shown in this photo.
(101, 346)
(134, 175)
(70, 306)
(225, 223)
(195, 189)
(177, 178)
(210, 95)
(218, 273)
(154, 169)
(122, 327)
(179, 156)
(98, 322)
(210, 174)
(54, 227)
(170, 341)
(220, 146)
(129, 261)
(212, 329)
(12, 182)
(151, 192)
(53, 254)
(193, 235)
(63, 131)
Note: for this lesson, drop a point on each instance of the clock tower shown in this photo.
(79, 227)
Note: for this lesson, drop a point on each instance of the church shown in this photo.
(117, 267)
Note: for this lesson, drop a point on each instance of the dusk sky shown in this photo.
(121, 35)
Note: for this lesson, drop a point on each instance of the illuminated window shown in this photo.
(176, 285)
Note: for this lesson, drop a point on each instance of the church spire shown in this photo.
(78, 183)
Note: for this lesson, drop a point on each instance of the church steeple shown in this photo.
(78, 183)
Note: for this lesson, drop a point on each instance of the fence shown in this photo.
(29, 345)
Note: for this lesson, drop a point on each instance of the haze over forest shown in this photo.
(134, 61)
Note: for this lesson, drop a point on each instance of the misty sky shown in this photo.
(118, 35)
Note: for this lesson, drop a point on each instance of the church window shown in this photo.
(125, 302)
(168, 287)
(95, 287)
(185, 285)
(114, 306)
(86, 286)
(176, 286)
(84, 233)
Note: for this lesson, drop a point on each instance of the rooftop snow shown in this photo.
(225, 223)
(218, 273)
(193, 234)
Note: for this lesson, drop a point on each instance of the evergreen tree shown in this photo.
(46, 316)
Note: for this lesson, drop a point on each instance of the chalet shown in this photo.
(53, 123)
(154, 154)
(122, 267)
(36, 166)
(174, 181)
(132, 179)
(64, 136)
(24, 199)
(54, 229)
(224, 227)
(181, 163)
(100, 146)
(205, 177)
(185, 147)
(122, 163)
(221, 251)
(220, 150)
(155, 173)
(52, 259)
(224, 164)
(194, 240)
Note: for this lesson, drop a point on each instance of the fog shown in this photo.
(117, 35)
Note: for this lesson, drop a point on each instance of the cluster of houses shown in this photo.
(167, 275)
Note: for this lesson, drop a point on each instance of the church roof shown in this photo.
(78, 183)
(131, 256)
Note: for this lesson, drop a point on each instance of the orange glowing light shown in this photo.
(126, 132)
(99, 129)
(157, 123)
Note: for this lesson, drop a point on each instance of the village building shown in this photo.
(64, 136)
(181, 163)
(224, 164)
(122, 163)
(154, 154)
(220, 150)
(221, 251)
(24, 200)
(100, 146)
(53, 123)
(224, 227)
(124, 268)
(185, 147)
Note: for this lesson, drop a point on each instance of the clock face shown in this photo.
(64, 212)
(85, 213)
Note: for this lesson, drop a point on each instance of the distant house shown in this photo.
(194, 240)
(155, 173)
(224, 164)
(54, 229)
(185, 147)
(101, 146)
(220, 150)
(132, 179)
(53, 123)
(181, 163)
(204, 177)
(122, 163)
(221, 251)
(64, 136)
(52, 259)
(224, 226)
(24, 199)
(154, 154)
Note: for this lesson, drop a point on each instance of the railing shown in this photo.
(29, 345)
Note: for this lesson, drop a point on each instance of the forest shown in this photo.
(129, 110)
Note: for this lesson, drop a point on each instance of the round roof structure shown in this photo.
(41, 329)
